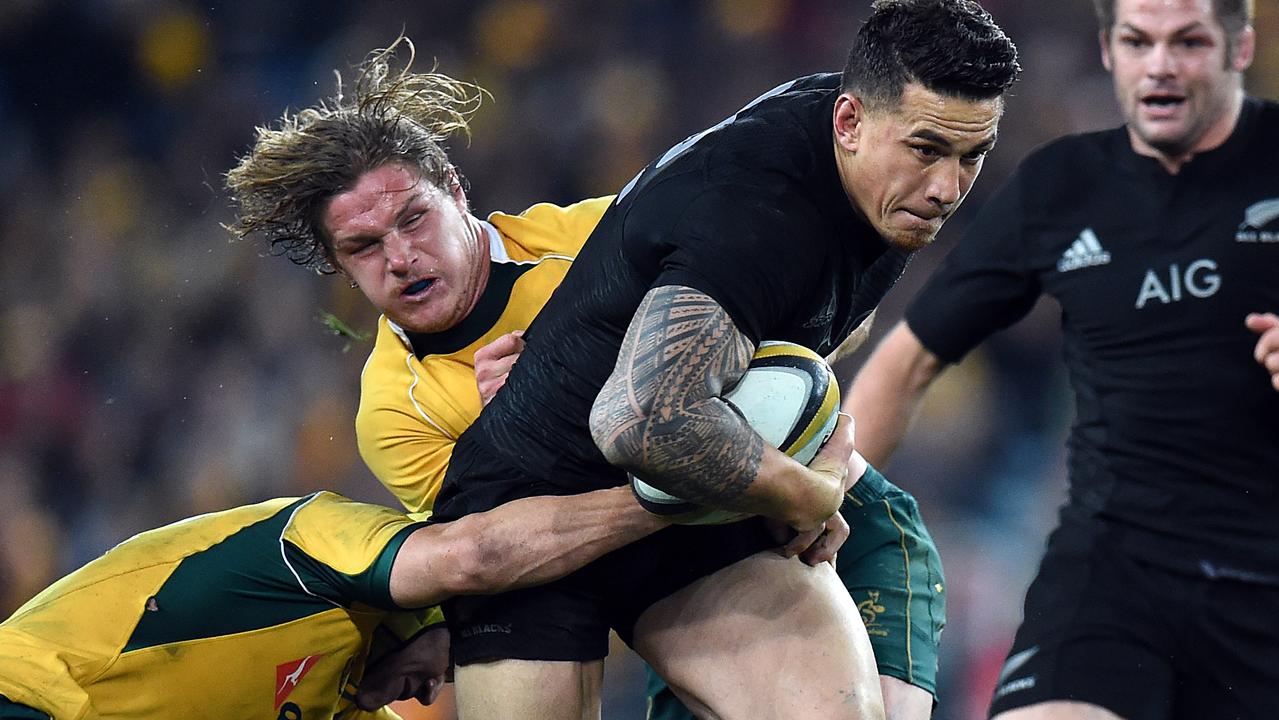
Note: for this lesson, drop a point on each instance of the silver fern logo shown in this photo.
(1255, 219)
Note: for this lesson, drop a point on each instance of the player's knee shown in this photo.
(903, 701)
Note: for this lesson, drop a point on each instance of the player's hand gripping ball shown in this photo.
(789, 395)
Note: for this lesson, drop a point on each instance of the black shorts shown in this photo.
(1144, 642)
(569, 619)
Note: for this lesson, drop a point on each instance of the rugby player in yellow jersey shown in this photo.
(270, 610)
(418, 389)
(419, 386)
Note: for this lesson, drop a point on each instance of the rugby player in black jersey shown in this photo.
(787, 221)
(1156, 598)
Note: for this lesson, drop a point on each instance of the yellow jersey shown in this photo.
(418, 391)
(262, 611)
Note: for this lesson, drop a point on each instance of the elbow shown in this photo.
(925, 368)
(613, 427)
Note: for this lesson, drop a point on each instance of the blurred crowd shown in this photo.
(151, 368)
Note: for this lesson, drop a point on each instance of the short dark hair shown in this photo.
(1234, 15)
(952, 47)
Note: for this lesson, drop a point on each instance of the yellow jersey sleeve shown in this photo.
(343, 550)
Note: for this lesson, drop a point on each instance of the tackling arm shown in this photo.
(887, 391)
(661, 415)
(525, 542)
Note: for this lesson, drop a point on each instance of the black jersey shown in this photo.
(1176, 440)
(751, 212)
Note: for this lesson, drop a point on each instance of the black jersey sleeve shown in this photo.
(749, 253)
(984, 285)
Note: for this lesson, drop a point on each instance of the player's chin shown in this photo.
(911, 239)
(419, 319)
(371, 699)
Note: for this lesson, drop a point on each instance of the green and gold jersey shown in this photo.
(418, 391)
(262, 611)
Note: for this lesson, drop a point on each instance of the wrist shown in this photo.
(819, 495)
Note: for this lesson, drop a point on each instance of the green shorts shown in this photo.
(892, 570)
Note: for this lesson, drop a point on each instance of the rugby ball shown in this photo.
(789, 395)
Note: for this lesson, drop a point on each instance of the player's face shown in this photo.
(413, 671)
(907, 168)
(1176, 81)
(412, 247)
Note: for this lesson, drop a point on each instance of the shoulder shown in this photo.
(390, 345)
(388, 372)
(1072, 153)
(1267, 119)
(1067, 172)
(547, 229)
(341, 533)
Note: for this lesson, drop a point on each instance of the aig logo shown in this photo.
(1199, 279)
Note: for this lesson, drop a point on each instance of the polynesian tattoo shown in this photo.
(660, 414)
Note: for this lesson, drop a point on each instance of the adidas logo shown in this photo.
(1084, 252)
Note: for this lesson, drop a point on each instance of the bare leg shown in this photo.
(1059, 710)
(903, 701)
(767, 637)
(529, 689)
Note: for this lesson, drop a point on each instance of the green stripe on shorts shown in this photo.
(892, 570)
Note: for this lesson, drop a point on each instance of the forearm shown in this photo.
(525, 542)
(887, 391)
(661, 416)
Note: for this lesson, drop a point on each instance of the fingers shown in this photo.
(494, 361)
(827, 543)
(779, 531)
(857, 466)
(852, 423)
(508, 344)
(495, 368)
(839, 447)
(1261, 322)
(1266, 351)
(801, 542)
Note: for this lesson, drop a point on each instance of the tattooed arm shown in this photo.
(660, 415)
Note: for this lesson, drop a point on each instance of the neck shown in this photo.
(484, 257)
(844, 168)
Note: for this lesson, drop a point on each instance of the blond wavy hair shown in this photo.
(281, 186)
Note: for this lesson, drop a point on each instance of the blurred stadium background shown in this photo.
(150, 368)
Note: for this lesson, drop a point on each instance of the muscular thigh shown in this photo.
(767, 637)
(892, 571)
(529, 690)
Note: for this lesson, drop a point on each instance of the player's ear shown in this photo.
(453, 186)
(1103, 37)
(1243, 49)
(850, 115)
